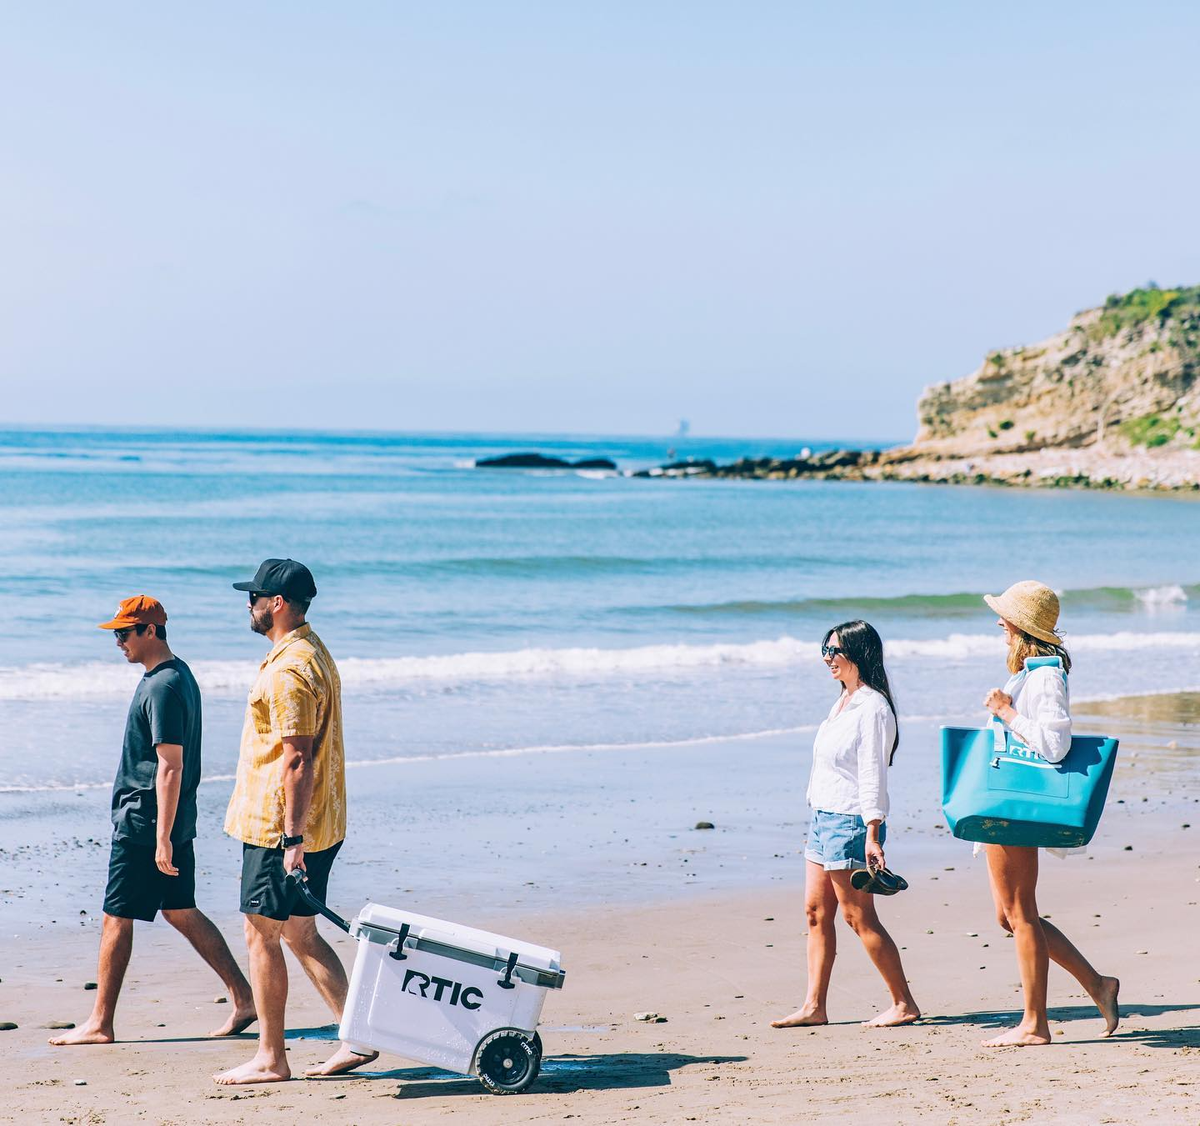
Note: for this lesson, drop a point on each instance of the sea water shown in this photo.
(479, 612)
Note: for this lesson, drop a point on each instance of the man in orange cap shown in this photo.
(152, 866)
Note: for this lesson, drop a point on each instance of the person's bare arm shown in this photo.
(167, 783)
(297, 794)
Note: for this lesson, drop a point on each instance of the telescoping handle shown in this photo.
(300, 879)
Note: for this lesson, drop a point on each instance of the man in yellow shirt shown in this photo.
(289, 811)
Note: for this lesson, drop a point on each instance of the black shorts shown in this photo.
(137, 889)
(265, 891)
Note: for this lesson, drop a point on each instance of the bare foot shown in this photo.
(87, 1033)
(1106, 1002)
(802, 1018)
(900, 1013)
(258, 1070)
(239, 1021)
(1020, 1037)
(342, 1061)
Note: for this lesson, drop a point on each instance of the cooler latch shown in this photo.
(506, 981)
(396, 949)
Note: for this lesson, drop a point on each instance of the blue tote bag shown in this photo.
(999, 791)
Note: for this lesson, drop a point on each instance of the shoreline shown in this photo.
(431, 830)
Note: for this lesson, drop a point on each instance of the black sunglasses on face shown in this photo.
(255, 595)
(122, 634)
(831, 651)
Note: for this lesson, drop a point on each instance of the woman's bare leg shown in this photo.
(858, 909)
(820, 908)
(1013, 871)
(1102, 990)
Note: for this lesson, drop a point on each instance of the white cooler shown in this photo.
(448, 995)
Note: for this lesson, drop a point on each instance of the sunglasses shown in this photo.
(829, 652)
(122, 634)
(255, 595)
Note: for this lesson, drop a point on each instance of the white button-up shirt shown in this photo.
(850, 756)
(1043, 719)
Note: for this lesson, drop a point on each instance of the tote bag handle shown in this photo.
(1000, 732)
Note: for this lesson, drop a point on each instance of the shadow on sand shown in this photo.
(1154, 1038)
(562, 1074)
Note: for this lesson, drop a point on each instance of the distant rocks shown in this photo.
(1162, 470)
(844, 464)
(650, 1018)
(688, 468)
(1166, 469)
(541, 461)
(705, 825)
(7, 1026)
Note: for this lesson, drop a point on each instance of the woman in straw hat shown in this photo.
(1034, 705)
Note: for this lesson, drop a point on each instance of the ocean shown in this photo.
(510, 613)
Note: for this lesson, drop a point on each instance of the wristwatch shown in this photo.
(291, 842)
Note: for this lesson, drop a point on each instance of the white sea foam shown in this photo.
(1157, 597)
(104, 681)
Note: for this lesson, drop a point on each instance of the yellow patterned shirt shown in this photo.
(297, 692)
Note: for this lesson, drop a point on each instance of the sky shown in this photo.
(771, 219)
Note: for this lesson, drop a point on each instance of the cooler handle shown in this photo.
(300, 878)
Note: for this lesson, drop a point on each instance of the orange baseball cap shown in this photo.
(139, 610)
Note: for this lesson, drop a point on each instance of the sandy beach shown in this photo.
(718, 961)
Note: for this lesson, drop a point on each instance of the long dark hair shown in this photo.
(864, 647)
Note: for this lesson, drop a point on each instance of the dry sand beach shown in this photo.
(719, 965)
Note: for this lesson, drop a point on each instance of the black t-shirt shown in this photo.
(165, 709)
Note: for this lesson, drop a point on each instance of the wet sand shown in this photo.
(718, 961)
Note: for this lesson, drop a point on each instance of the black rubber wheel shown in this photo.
(509, 1062)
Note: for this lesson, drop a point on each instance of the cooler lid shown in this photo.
(427, 929)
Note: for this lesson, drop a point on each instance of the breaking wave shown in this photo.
(102, 681)
(962, 604)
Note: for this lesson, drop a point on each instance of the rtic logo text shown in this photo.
(469, 998)
(1022, 751)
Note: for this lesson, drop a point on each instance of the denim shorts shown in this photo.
(838, 841)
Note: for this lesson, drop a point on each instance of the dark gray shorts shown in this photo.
(137, 889)
(265, 889)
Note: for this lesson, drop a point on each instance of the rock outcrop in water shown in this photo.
(541, 461)
(828, 463)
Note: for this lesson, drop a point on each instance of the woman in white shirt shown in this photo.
(1034, 705)
(848, 796)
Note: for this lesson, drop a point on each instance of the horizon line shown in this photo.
(691, 436)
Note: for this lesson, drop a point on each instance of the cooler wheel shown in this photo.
(509, 1061)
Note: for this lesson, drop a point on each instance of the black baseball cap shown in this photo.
(282, 576)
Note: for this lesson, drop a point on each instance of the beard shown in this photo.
(262, 621)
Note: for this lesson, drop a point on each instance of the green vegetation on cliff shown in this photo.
(1150, 430)
(1124, 310)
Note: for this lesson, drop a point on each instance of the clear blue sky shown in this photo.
(769, 218)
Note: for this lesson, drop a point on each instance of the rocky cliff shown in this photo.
(1121, 376)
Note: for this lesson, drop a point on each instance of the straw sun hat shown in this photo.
(1030, 606)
